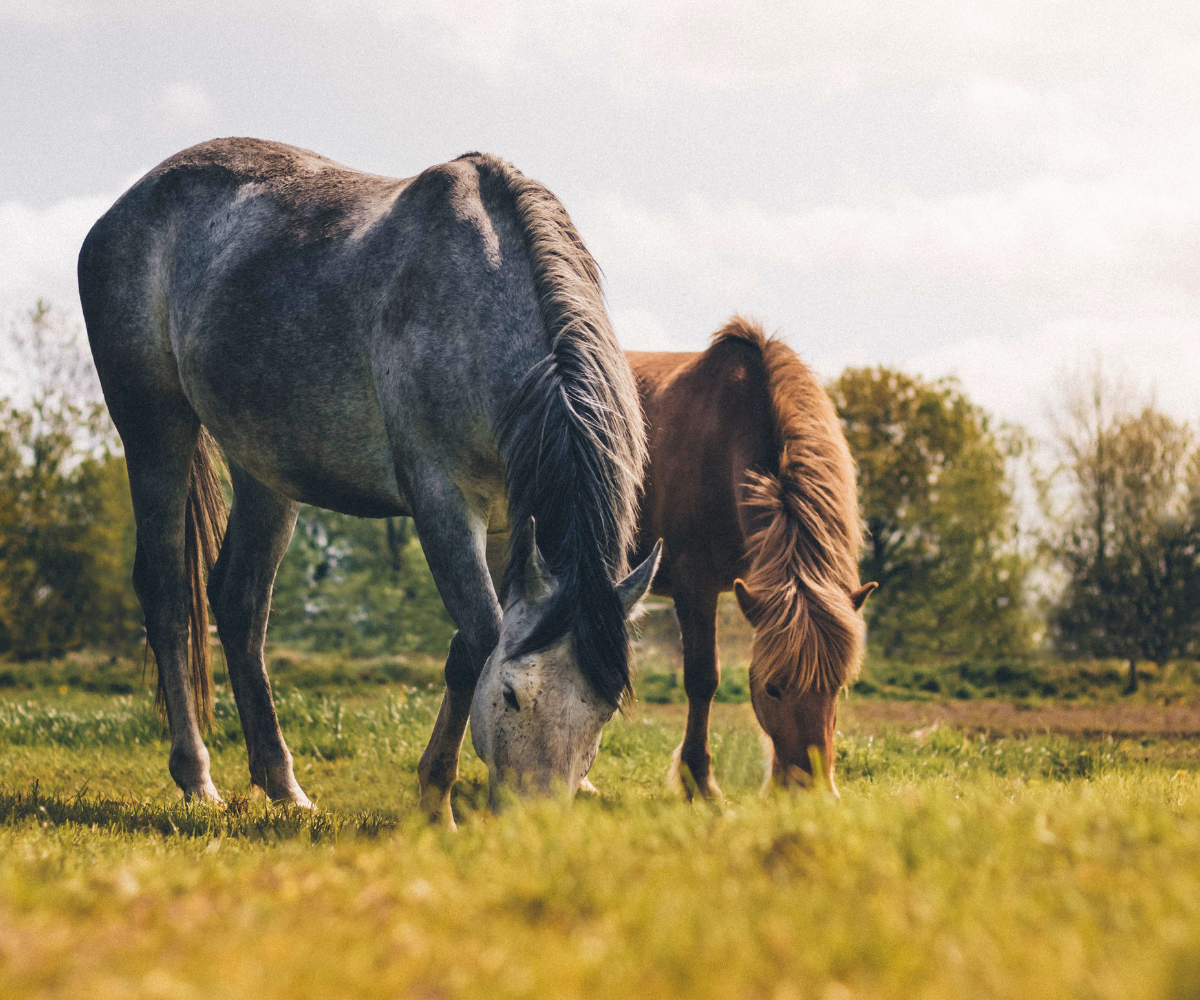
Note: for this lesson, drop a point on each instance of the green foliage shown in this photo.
(1129, 540)
(66, 522)
(938, 506)
(934, 487)
(359, 586)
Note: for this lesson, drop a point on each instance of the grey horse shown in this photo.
(436, 346)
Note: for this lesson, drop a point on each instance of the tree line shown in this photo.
(1106, 565)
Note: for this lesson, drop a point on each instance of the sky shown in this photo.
(994, 191)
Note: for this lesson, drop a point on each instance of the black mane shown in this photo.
(573, 442)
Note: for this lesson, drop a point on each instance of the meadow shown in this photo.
(979, 848)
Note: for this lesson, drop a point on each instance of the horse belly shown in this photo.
(311, 432)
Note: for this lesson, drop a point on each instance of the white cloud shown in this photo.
(704, 244)
(40, 11)
(822, 47)
(1039, 274)
(831, 363)
(76, 12)
(1069, 220)
(1040, 244)
(1157, 351)
(38, 250)
(640, 330)
(186, 104)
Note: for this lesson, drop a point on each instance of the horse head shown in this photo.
(798, 719)
(535, 718)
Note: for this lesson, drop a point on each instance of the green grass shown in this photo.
(954, 864)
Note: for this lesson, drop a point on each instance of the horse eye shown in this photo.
(510, 699)
(773, 691)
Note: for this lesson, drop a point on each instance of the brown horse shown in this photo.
(750, 476)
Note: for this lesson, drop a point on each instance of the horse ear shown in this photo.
(634, 587)
(859, 597)
(746, 600)
(538, 580)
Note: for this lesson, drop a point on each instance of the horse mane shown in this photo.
(804, 552)
(573, 441)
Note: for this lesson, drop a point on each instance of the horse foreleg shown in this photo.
(260, 528)
(438, 768)
(453, 536)
(691, 767)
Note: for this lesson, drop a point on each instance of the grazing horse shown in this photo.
(436, 346)
(750, 476)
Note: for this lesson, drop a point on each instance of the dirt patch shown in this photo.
(1004, 718)
(1000, 718)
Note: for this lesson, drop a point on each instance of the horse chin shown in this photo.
(536, 724)
(768, 762)
(797, 739)
(793, 777)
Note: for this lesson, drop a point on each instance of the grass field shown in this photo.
(978, 850)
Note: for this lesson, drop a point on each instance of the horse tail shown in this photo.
(573, 440)
(805, 545)
(205, 519)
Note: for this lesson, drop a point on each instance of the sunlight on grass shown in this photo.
(954, 865)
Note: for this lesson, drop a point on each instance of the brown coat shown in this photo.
(750, 476)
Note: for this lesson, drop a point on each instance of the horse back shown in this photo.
(319, 320)
(709, 420)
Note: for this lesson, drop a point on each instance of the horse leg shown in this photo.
(453, 536)
(158, 459)
(260, 528)
(437, 769)
(697, 614)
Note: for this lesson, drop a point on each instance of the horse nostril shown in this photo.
(510, 699)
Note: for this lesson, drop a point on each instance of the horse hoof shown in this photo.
(278, 782)
(587, 788)
(205, 792)
(436, 805)
(682, 781)
(289, 793)
(296, 798)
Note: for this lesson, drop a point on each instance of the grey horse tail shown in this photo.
(204, 527)
(574, 442)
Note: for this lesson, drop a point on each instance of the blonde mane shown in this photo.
(804, 550)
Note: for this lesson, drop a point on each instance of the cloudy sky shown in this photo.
(992, 190)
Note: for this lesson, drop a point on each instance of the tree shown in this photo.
(66, 522)
(939, 511)
(1129, 536)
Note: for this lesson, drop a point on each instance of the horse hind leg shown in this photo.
(260, 528)
(159, 456)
